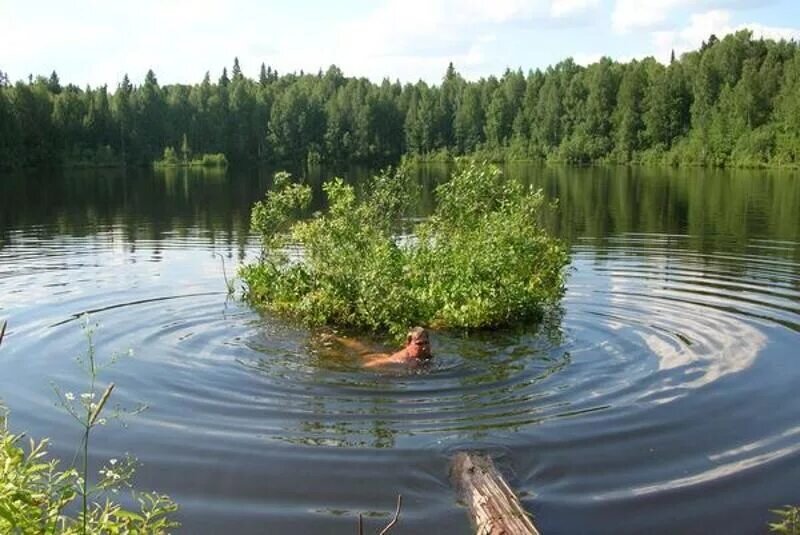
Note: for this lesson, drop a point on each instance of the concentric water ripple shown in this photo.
(660, 379)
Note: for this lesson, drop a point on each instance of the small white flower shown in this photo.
(112, 461)
(87, 395)
(101, 472)
(92, 406)
(69, 396)
(130, 352)
(110, 474)
(101, 421)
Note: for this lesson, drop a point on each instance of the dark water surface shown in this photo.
(664, 399)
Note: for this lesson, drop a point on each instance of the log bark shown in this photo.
(493, 507)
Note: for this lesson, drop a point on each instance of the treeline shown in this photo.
(733, 102)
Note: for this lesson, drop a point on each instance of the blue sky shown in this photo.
(97, 41)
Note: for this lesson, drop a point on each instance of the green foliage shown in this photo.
(211, 160)
(482, 260)
(35, 496)
(700, 109)
(38, 498)
(170, 159)
(33, 493)
(788, 522)
(580, 148)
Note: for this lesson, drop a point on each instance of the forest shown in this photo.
(734, 102)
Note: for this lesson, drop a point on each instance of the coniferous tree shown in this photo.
(54, 84)
(186, 152)
(732, 102)
(628, 120)
(150, 110)
(499, 117)
(469, 120)
(263, 78)
(9, 133)
(448, 102)
(549, 110)
(237, 70)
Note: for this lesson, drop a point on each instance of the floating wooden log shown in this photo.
(493, 507)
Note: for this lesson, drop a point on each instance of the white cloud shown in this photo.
(22, 43)
(701, 26)
(586, 58)
(96, 42)
(399, 26)
(717, 22)
(631, 14)
(567, 8)
(499, 11)
(415, 39)
(638, 14)
(770, 32)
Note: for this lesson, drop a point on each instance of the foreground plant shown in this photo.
(34, 495)
(481, 260)
(37, 498)
(788, 521)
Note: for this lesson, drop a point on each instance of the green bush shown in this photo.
(481, 260)
(485, 152)
(34, 495)
(442, 156)
(100, 156)
(582, 149)
(38, 498)
(171, 159)
(789, 521)
(787, 150)
(754, 148)
(211, 160)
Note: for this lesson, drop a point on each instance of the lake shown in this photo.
(661, 398)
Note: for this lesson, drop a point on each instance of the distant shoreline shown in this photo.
(733, 102)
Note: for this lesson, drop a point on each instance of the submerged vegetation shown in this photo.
(733, 102)
(481, 260)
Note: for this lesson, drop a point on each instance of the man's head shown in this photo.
(418, 344)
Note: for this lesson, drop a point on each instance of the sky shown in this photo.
(96, 42)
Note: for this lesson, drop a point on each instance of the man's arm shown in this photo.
(372, 359)
(349, 343)
(354, 345)
(376, 360)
